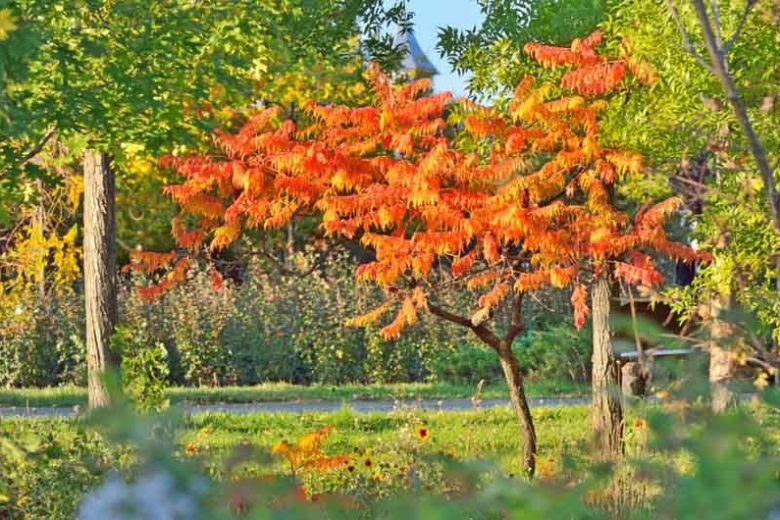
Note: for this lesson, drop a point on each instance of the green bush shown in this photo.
(40, 344)
(557, 352)
(144, 370)
(275, 326)
(466, 363)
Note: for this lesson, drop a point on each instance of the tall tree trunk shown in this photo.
(606, 406)
(100, 288)
(514, 381)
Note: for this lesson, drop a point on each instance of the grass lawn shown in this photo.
(71, 457)
(72, 395)
(67, 457)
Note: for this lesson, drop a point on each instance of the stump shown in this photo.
(634, 379)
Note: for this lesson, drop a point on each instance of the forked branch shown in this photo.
(480, 330)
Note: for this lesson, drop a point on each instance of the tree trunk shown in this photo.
(517, 395)
(722, 366)
(511, 368)
(100, 289)
(40, 223)
(606, 407)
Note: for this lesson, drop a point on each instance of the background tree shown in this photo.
(491, 54)
(146, 73)
(687, 135)
(693, 140)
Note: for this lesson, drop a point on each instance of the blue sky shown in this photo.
(429, 16)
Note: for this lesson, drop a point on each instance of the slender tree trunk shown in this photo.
(100, 289)
(511, 368)
(40, 222)
(514, 381)
(606, 407)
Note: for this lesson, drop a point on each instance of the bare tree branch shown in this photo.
(516, 322)
(716, 22)
(729, 44)
(686, 41)
(720, 71)
(35, 150)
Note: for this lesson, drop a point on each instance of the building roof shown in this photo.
(415, 63)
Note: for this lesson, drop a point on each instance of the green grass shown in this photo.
(72, 458)
(486, 434)
(68, 396)
(69, 456)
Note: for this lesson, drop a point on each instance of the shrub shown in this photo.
(144, 370)
(40, 342)
(269, 325)
(556, 352)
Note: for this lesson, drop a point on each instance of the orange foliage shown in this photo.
(306, 454)
(533, 211)
(592, 74)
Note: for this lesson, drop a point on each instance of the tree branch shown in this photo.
(716, 22)
(729, 44)
(482, 332)
(516, 323)
(686, 41)
(35, 150)
(720, 71)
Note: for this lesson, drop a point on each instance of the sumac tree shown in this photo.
(503, 202)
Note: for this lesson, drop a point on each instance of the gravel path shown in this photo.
(359, 406)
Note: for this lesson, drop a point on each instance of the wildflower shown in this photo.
(376, 477)
(350, 468)
(280, 447)
(191, 449)
(640, 424)
(422, 433)
(367, 463)
(205, 430)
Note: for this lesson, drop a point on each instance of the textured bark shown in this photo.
(722, 366)
(606, 407)
(100, 289)
(519, 401)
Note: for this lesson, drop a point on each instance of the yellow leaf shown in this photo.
(7, 23)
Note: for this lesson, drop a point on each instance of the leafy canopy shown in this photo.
(499, 201)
